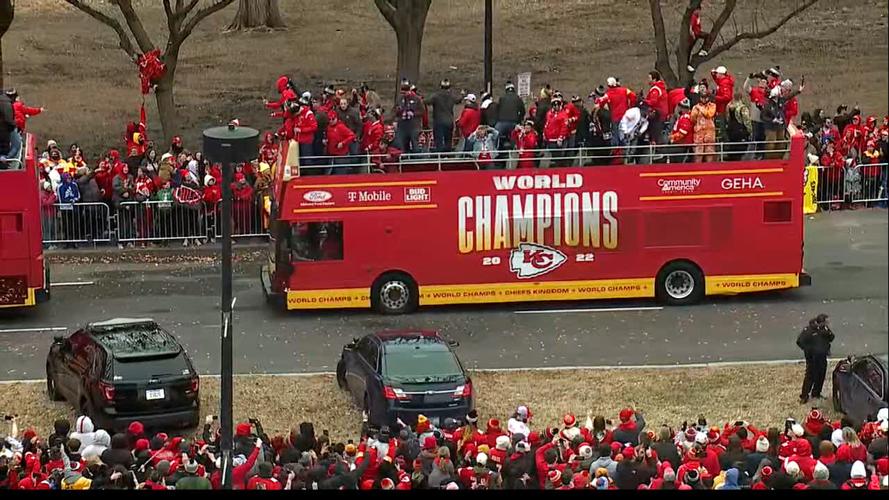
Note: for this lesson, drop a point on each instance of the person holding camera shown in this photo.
(815, 342)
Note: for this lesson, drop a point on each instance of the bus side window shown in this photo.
(317, 241)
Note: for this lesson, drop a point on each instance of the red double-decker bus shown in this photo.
(24, 276)
(673, 231)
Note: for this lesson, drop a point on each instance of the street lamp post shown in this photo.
(229, 146)
(489, 45)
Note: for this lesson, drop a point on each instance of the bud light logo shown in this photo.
(317, 196)
(530, 260)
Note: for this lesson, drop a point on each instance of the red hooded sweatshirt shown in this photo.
(725, 91)
(469, 120)
(619, 100)
(307, 124)
(339, 137)
(556, 128)
(373, 134)
(658, 100)
(803, 458)
(525, 143)
(286, 94)
(22, 113)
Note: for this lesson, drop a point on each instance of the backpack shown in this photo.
(737, 131)
(773, 112)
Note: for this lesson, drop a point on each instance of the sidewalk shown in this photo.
(110, 253)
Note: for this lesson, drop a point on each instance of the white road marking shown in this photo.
(43, 329)
(612, 309)
(718, 364)
(73, 283)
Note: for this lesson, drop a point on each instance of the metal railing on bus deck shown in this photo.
(509, 159)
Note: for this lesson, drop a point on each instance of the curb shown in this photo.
(719, 364)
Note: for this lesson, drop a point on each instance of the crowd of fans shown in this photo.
(346, 131)
(632, 455)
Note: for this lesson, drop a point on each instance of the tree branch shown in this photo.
(199, 16)
(756, 34)
(719, 23)
(387, 10)
(135, 25)
(125, 43)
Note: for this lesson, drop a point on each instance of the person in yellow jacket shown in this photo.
(73, 479)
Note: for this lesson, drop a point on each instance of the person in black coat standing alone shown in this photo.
(815, 341)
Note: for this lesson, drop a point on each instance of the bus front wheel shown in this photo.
(680, 283)
(394, 293)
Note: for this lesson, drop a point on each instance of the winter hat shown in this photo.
(533, 438)
(775, 92)
(836, 437)
(47, 185)
(629, 453)
(481, 459)
(792, 469)
(690, 434)
(814, 421)
(701, 438)
(858, 470)
(522, 447)
(713, 435)
(502, 443)
(821, 472)
(569, 420)
(762, 444)
(611, 81)
(721, 70)
(787, 84)
(242, 429)
(626, 414)
(192, 467)
(883, 415)
(51, 144)
(472, 416)
(470, 98)
(523, 412)
(452, 486)
(429, 443)
(600, 483)
(209, 180)
(669, 475)
(798, 430)
(554, 476)
(510, 87)
(692, 476)
(774, 72)
(141, 444)
(387, 484)
(586, 451)
(422, 424)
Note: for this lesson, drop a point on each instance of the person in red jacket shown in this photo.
(658, 101)
(526, 141)
(618, 99)
(373, 132)
(286, 91)
(304, 125)
(725, 92)
(555, 130)
(264, 479)
(268, 152)
(546, 459)
(469, 120)
(21, 113)
(339, 139)
(493, 432)
(573, 112)
(696, 30)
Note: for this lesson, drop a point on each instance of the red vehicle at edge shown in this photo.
(24, 277)
(675, 232)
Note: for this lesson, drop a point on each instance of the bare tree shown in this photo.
(182, 18)
(7, 13)
(677, 72)
(257, 14)
(408, 19)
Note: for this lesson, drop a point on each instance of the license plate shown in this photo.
(154, 394)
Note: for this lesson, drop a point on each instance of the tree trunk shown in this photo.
(257, 14)
(163, 95)
(7, 14)
(410, 46)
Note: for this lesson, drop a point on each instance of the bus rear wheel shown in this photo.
(680, 283)
(394, 293)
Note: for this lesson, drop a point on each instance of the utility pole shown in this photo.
(229, 146)
(489, 45)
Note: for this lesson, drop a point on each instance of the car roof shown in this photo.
(133, 338)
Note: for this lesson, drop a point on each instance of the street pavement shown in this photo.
(846, 254)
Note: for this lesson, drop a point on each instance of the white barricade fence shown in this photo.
(72, 223)
(161, 221)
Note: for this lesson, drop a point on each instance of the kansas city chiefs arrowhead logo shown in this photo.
(530, 260)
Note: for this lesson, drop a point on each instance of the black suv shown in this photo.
(122, 370)
(404, 374)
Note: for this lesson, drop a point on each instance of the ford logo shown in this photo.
(317, 196)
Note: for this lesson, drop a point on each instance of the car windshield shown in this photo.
(421, 361)
(150, 367)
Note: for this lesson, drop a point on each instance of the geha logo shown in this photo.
(530, 260)
(317, 196)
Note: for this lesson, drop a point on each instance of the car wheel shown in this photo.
(341, 376)
(51, 391)
(394, 293)
(680, 283)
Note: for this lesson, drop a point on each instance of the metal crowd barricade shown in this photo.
(872, 184)
(73, 223)
(160, 221)
(249, 219)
